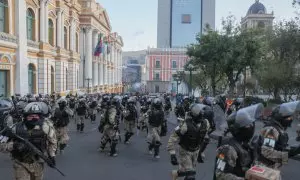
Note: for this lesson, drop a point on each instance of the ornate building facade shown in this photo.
(99, 73)
(40, 46)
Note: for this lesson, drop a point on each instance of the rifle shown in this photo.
(33, 149)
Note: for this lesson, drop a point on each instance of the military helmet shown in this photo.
(33, 108)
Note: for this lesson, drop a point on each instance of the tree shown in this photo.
(204, 56)
(278, 71)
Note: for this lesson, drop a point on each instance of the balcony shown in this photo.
(157, 66)
(156, 79)
(33, 44)
(8, 37)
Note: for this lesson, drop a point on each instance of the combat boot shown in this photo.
(102, 146)
(113, 151)
(81, 127)
(127, 137)
(174, 175)
(156, 150)
(150, 148)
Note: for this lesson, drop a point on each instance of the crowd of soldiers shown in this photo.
(35, 130)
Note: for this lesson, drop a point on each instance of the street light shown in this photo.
(190, 68)
(177, 78)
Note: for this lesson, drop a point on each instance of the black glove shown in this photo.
(20, 147)
(174, 160)
(52, 162)
(116, 127)
(294, 150)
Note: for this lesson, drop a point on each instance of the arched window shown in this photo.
(261, 24)
(77, 39)
(30, 24)
(31, 78)
(51, 32)
(3, 16)
(66, 85)
(65, 38)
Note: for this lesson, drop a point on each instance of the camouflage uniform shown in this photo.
(271, 155)
(110, 133)
(33, 171)
(153, 134)
(187, 159)
(227, 156)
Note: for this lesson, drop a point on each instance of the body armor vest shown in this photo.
(156, 117)
(61, 118)
(35, 136)
(81, 109)
(244, 160)
(194, 136)
(132, 114)
(72, 104)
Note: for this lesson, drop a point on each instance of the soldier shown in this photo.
(38, 131)
(61, 120)
(130, 119)
(235, 155)
(109, 127)
(155, 122)
(93, 109)
(274, 150)
(81, 110)
(72, 104)
(190, 135)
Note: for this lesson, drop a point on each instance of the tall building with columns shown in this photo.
(40, 47)
(99, 73)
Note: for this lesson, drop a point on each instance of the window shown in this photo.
(174, 64)
(30, 24)
(51, 32)
(3, 16)
(65, 38)
(156, 89)
(157, 64)
(260, 24)
(156, 76)
(186, 19)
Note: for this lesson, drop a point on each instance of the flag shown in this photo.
(98, 49)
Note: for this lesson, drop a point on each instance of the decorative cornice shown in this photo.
(8, 37)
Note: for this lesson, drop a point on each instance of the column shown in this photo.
(104, 75)
(46, 22)
(21, 78)
(99, 73)
(95, 64)
(59, 28)
(88, 55)
(62, 30)
(72, 35)
(82, 57)
(42, 22)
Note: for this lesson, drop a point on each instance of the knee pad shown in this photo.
(190, 178)
(186, 173)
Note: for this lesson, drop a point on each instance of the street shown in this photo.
(81, 160)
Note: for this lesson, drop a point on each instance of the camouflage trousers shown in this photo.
(109, 134)
(80, 119)
(153, 134)
(187, 160)
(129, 126)
(24, 171)
(62, 135)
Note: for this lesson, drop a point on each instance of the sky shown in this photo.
(136, 20)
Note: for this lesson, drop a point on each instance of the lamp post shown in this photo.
(190, 68)
(177, 78)
(88, 79)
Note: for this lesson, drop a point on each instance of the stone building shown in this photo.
(40, 45)
(103, 73)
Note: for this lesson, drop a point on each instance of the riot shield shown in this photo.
(289, 109)
(219, 118)
(248, 115)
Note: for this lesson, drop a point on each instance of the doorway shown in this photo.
(3, 83)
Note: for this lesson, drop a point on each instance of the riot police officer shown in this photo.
(110, 128)
(130, 118)
(6, 107)
(81, 110)
(235, 155)
(61, 120)
(274, 149)
(190, 135)
(40, 133)
(155, 122)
